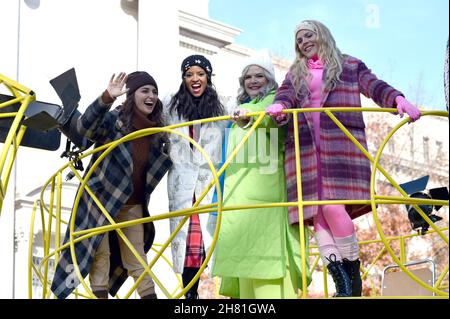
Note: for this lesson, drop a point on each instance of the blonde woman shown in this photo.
(332, 167)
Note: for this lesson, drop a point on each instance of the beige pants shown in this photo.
(99, 273)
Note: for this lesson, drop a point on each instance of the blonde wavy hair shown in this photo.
(328, 53)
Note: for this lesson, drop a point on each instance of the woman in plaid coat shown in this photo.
(122, 182)
(332, 167)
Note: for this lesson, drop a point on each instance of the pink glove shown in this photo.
(274, 110)
(403, 106)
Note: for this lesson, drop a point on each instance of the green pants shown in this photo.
(247, 288)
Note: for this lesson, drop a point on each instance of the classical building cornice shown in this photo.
(197, 46)
(206, 30)
(207, 36)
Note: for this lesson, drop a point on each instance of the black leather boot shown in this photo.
(100, 294)
(352, 269)
(340, 277)
(191, 295)
(188, 274)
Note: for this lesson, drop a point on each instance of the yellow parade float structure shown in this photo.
(47, 212)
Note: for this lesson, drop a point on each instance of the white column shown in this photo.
(9, 20)
(158, 43)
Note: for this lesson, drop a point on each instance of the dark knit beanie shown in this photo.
(137, 79)
(196, 60)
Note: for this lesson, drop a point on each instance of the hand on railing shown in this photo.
(403, 106)
(239, 114)
(240, 117)
(275, 111)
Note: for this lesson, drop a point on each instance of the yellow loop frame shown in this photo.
(374, 200)
(408, 201)
(116, 226)
(24, 96)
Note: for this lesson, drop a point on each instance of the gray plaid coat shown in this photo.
(112, 183)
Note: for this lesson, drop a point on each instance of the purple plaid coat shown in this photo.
(345, 170)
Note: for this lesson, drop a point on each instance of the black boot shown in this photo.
(191, 295)
(187, 276)
(352, 269)
(340, 277)
(100, 294)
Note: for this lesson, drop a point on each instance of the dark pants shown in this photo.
(187, 275)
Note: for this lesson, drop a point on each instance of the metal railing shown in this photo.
(23, 96)
(51, 213)
(54, 183)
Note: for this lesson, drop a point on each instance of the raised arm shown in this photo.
(96, 122)
(383, 94)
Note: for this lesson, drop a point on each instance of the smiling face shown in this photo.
(145, 98)
(254, 81)
(196, 80)
(307, 43)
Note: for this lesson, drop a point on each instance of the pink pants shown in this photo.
(330, 217)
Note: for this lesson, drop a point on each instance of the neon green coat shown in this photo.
(255, 243)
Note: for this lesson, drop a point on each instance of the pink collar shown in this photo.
(315, 63)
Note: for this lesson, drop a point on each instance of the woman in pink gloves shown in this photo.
(332, 167)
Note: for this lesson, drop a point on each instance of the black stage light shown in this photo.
(45, 116)
(49, 139)
(417, 189)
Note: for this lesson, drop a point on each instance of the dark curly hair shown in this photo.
(194, 108)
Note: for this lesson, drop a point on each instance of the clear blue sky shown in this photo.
(402, 41)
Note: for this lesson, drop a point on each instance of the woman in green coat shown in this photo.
(257, 252)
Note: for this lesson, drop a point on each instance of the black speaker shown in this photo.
(45, 116)
(35, 137)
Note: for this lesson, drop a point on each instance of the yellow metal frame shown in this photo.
(24, 96)
(76, 236)
(396, 200)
